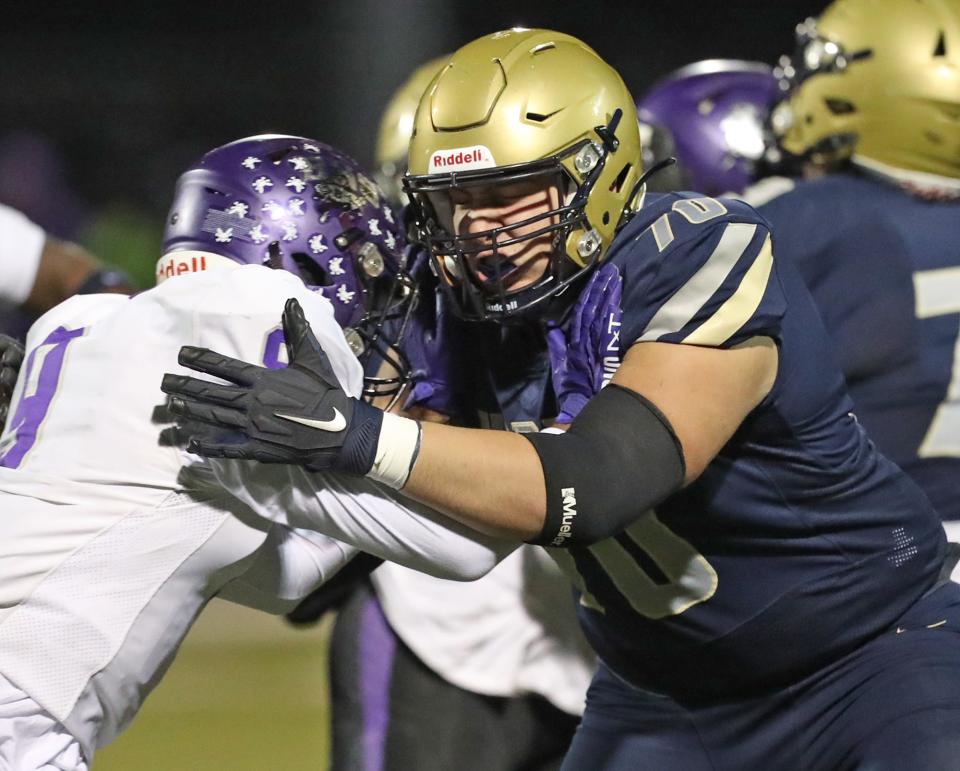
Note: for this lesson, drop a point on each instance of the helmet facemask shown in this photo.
(376, 338)
(485, 283)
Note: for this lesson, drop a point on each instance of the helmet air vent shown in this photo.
(539, 117)
(840, 106)
(539, 49)
(941, 49)
(617, 185)
(311, 272)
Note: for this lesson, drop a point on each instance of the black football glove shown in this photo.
(298, 414)
(11, 358)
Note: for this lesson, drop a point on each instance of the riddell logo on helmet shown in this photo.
(188, 261)
(461, 159)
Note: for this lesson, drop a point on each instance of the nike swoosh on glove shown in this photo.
(298, 414)
(11, 358)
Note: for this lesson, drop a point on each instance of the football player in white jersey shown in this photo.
(111, 541)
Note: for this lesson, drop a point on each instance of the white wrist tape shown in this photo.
(397, 450)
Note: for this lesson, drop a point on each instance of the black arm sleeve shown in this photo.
(619, 458)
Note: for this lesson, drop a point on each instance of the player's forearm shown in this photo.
(63, 268)
(358, 512)
(490, 481)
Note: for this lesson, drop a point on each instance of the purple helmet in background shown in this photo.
(302, 206)
(717, 111)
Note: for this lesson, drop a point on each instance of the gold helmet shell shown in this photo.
(396, 125)
(522, 100)
(877, 80)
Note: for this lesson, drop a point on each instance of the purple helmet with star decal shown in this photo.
(716, 112)
(300, 205)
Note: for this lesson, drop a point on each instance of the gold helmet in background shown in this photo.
(878, 81)
(396, 125)
(514, 106)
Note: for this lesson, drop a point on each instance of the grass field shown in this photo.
(246, 693)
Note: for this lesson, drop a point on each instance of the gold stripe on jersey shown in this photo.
(568, 567)
(677, 312)
(740, 306)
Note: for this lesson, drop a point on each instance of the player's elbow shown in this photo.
(619, 459)
(470, 563)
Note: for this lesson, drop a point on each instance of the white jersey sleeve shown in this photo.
(359, 512)
(21, 244)
(291, 564)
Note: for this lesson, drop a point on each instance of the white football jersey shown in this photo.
(113, 537)
(21, 244)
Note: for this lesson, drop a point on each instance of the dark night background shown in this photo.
(104, 104)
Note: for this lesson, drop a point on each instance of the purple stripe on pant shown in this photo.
(377, 649)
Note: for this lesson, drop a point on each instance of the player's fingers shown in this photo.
(12, 357)
(218, 365)
(212, 449)
(303, 348)
(8, 378)
(202, 390)
(207, 413)
(295, 325)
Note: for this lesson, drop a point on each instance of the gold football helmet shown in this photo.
(521, 105)
(877, 80)
(396, 125)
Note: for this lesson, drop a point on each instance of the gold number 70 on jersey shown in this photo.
(690, 578)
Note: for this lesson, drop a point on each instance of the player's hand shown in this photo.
(11, 358)
(432, 347)
(585, 349)
(298, 414)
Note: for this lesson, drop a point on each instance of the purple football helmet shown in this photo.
(302, 206)
(717, 112)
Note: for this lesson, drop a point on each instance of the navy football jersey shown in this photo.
(799, 541)
(884, 269)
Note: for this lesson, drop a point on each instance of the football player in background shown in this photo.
(393, 133)
(756, 579)
(38, 271)
(872, 99)
(875, 243)
(111, 541)
(424, 672)
(716, 114)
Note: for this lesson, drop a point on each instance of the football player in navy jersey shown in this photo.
(763, 588)
(872, 98)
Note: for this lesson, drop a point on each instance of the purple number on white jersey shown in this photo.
(43, 368)
(275, 351)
